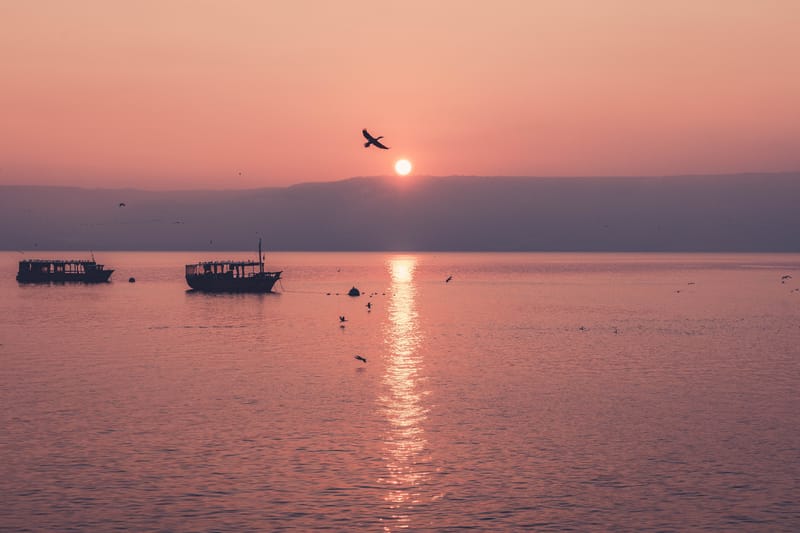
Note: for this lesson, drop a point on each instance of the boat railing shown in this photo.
(237, 269)
(58, 266)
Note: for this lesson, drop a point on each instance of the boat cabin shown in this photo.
(46, 270)
(57, 267)
(230, 269)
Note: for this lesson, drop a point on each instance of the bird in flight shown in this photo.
(360, 358)
(448, 279)
(373, 140)
(122, 204)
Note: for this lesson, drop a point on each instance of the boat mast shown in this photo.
(260, 260)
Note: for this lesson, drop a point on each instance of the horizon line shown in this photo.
(411, 178)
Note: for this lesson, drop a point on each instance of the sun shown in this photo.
(403, 167)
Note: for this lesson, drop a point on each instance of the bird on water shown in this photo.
(373, 141)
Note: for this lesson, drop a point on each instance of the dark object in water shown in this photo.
(360, 358)
(354, 292)
(131, 280)
(61, 270)
(232, 276)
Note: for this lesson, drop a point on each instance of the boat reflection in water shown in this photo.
(405, 447)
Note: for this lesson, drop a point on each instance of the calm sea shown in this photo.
(531, 392)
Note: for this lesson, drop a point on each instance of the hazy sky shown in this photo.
(167, 94)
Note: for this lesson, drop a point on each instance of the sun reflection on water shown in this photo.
(402, 402)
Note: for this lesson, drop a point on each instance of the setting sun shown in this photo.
(403, 167)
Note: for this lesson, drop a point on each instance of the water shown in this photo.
(533, 391)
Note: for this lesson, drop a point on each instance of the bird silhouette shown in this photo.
(360, 358)
(342, 318)
(122, 204)
(375, 141)
(448, 279)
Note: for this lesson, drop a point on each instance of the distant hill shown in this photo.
(747, 212)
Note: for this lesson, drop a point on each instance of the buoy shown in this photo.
(354, 292)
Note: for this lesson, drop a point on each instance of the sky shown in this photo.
(246, 94)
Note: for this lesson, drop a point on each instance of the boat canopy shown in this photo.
(58, 265)
(235, 268)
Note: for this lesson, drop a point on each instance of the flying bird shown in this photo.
(448, 279)
(122, 204)
(342, 318)
(373, 140)
(360, 358)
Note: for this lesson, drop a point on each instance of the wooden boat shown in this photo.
(62, 270)
(231, 276)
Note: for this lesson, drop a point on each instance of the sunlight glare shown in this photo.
(403, 167)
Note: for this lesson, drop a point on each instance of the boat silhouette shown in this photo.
(232, 276)
(62, 270)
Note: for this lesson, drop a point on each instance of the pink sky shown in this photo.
(179, 95)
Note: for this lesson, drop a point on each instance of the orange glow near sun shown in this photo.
(403, 167)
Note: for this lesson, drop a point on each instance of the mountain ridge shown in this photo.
(713, 213)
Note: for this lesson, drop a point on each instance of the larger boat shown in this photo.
(231, 276)
(62, 270)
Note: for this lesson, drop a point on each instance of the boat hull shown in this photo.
(259, 283)
(94, 276)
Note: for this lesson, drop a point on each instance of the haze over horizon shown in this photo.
(734, 213)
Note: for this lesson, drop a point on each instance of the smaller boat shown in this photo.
(62, 270)
(232, 276)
